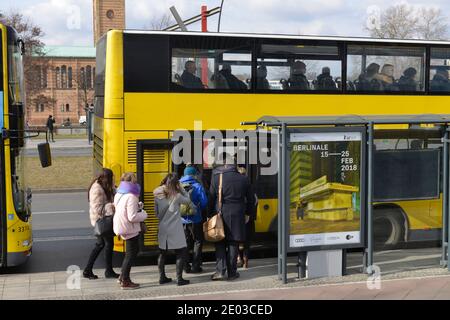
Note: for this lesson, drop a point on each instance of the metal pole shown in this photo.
(178, 18)
(284, 202)
(280, 207)
(204, 61)
(369, 200)
(220, 16)
(445, 199)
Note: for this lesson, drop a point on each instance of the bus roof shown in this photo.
(291, 37)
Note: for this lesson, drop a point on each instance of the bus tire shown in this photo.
(388, 228)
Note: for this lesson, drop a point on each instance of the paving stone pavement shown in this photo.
(258, 282)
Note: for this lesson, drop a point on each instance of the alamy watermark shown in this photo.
(215, 147)
(73, 281)
(373, 17)
(374, 280)
(73, 21)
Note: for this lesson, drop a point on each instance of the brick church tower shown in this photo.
(108, 14)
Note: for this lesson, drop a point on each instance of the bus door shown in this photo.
(154, 162)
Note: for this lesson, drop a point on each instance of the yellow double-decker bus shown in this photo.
(149, 84)
(15, 216)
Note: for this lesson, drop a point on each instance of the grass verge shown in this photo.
(64, 173)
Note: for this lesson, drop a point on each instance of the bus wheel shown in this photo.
(388, 228)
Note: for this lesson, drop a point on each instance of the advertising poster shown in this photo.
(325, 189)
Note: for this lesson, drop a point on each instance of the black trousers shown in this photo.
(194, 239)
(226, 257)
(106, 243)
(132, 248)
(50, 133)
(180, 262)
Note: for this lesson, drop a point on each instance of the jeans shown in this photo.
(226, 257)
(194, 239)
(102, 242)
(132, 248)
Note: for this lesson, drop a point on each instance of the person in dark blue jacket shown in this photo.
(193, 224)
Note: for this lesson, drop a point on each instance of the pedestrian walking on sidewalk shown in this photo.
(127, 224)
(50, 127)
(100, 197)
(168, 198)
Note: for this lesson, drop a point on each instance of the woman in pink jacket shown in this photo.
(127, 223)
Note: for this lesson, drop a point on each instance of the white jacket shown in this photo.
(127, 218)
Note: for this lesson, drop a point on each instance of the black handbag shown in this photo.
(104, 226)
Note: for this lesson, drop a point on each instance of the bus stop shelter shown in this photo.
(350, 196)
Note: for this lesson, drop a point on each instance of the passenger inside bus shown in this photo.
(440, 81)
(231, 80)
(407, 81)
(369, 80)
(386, 77)
(297, 80)
(325, 80)
(261, 78)
(189, 79)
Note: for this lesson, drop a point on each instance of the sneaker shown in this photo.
(90, 275)
(165, 280)
(111, 275)
(217, 277)
(129, 285)
(182, 282)
(197, 270)
(188, 268)
(234, 276)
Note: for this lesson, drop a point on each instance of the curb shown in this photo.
(40, 191)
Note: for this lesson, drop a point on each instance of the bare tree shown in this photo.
(432, 24)
(85, 90)
(402, 21)
(398, 21)
(35, 62)
(161, 22)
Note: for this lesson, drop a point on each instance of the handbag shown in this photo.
(213, 228)
(144, 228)
(104, 225)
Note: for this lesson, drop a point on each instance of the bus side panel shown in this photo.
(114, 79)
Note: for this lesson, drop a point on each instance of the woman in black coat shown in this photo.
(237, 198)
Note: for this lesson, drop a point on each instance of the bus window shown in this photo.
(386, 69)
(298, 68)
(201, 69)
(439, 69)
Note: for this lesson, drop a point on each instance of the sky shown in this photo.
(69, 22)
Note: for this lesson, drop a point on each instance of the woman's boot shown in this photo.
(180, 266)
(161, 267)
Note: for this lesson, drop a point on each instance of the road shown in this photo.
(62, 147)
(62, 233)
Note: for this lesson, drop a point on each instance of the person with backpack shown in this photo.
(127, 224)
(169, 197)
(100, 197)
(193, 221)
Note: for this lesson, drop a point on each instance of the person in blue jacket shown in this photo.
(193, 224)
